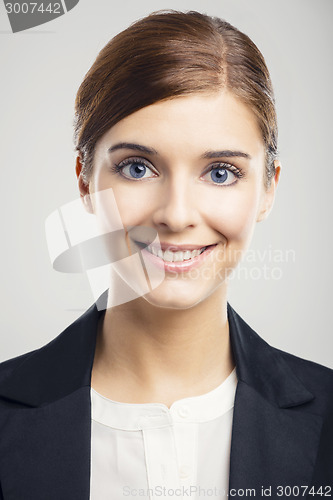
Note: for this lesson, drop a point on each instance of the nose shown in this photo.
(177, 208)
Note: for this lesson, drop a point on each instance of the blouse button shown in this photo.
(184, 471)
(183, 412)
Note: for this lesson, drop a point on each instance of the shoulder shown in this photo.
(282, 378)
(88, 318)
(309, 370)
(54, 370)
(9, 365)
(318, 379)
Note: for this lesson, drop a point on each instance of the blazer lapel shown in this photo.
(275, 437)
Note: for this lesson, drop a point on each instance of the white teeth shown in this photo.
(178, 256)
(170, 256)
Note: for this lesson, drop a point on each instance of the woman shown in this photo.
(172, 393)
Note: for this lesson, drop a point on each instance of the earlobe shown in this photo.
(263, 214)
(86, 200)
(266, 205)
(78, 166)
(269, 195)
(83, 187)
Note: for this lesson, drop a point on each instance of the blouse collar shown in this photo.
(195, 409)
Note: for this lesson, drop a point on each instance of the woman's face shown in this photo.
(191, 168)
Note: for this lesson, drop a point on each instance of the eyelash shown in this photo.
(226, 166)
(117, 168)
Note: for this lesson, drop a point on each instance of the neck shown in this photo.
(157, 350)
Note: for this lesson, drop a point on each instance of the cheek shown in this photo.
(234, 214)
(133, 205)
(131, 202)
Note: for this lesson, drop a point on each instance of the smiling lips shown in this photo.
(177, 257)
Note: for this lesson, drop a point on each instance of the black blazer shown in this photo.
(282, 435)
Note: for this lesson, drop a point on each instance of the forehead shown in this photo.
(191, 124)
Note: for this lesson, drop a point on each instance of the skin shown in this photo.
(174, 341)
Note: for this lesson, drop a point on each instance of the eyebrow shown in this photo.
(134, 147)
(227, 153)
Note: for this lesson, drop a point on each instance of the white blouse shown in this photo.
(150, 451)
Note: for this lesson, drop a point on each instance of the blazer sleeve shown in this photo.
(1, 495)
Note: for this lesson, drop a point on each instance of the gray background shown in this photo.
(41, 70)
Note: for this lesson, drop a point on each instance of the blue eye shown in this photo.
(219, 175)
(134, 169)
(137, 170)
(223, 174)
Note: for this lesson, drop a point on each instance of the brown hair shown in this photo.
(169, 54)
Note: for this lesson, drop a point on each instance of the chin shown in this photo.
(177, 297)
(172, 303)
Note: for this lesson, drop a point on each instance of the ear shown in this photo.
(269, 194)
(84, 188)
